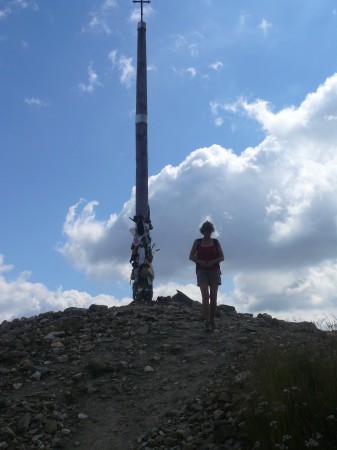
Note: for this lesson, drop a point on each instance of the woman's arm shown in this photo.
(194, 256)
(221, 256)
(193, 252)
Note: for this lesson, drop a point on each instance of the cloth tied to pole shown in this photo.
(142, 273)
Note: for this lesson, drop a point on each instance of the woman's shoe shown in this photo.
(209, 328)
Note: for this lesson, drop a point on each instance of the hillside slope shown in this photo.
(138, 376)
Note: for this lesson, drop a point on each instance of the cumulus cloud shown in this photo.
(93, 81)
(274, 206)
(19, 297)
(309, 288)
(91, 244)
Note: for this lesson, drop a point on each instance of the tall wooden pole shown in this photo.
(141, 125)
(141, 258)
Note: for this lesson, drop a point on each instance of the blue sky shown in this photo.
(242, 130)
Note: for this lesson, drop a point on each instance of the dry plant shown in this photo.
(289, 400)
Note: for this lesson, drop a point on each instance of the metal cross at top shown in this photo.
(141, 6)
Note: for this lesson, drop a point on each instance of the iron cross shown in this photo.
(141, 6)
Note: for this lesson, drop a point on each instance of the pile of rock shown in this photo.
(141, 376)
(206, 422)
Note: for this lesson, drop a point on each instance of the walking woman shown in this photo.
(207, 254)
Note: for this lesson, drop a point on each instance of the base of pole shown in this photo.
(142, 273)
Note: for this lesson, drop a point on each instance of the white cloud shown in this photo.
(216, 66)
(311, 290)
(14, 6)
(99, 18)
(215, 107)
(192, 71)
(127, 71)
(93, 81)
(218, 108)
(113, 57)
(264, 25)
(329, 117)
(193, 48)
(21, 3)
(274, 205)
(98, 24)
(33, 101)
(21, 298)
(218, 121)
(181, 42)
(152, 68)
(247, 26)
(242, 22)
(5, 12)
(148, 12)
(108, 4)
(85, 235)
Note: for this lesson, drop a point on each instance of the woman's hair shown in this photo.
(207, 226)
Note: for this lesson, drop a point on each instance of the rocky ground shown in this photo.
(143, 376)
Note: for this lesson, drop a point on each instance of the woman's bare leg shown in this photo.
(213, 301)
(205, 301)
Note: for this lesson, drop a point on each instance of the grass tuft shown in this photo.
(290, 397)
